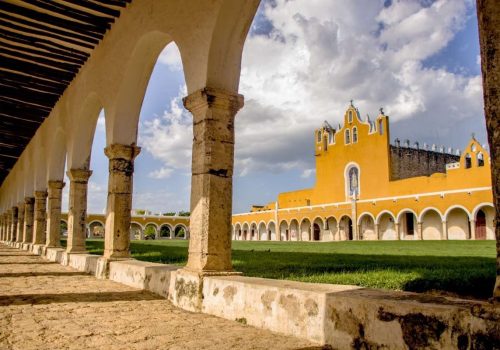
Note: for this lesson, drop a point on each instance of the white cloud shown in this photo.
(171, 57)
(307, 173)
(169, 138)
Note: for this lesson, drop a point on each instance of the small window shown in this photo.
(354, 135)
(468, 161)
(325, 144)
(330, 136)
(347, 137)
(380, 127)
(350, 117)
(480, 159)
(319, 136)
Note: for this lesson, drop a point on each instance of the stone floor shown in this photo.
(44, 305)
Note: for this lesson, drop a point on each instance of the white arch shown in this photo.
(479, 206)
(269, 224)
(245, 224)
(423, 212)
(405, 210)
(457, 206)
(90, 223)
(382, 213)
(363, 214)
(152, 223)
(237, 225)
(135, 222)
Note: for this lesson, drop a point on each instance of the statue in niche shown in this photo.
(353, 182)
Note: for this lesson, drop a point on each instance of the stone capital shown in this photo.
(56, 184)
(29, 200)
(118, 151)
(79, 175)
(41, 194)
(213, 98)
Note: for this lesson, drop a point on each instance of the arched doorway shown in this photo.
(316, 232)
(165, 231)
(96, 229)
(346, 228)
(480, 225)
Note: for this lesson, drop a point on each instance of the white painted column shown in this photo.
(444, 234)
(472, 230)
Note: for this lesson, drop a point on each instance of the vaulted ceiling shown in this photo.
(43, 44)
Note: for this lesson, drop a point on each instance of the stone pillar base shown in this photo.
(186, 287)
(54, 254)
(37, 249)
(102, 269)
(27, 247)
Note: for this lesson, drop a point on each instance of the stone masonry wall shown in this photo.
(410, 162)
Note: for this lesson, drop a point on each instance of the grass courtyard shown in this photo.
(465, 268)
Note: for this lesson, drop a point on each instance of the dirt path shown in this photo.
(44, 305)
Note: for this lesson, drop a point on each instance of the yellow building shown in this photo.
(368, 189)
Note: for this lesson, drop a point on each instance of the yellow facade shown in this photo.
(356, 196)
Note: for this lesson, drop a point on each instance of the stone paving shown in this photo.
(45, 305)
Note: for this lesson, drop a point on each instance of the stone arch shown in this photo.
(57, 155)
(457, 222)
(318, 229)
(484, 216)
(332, 229)
(165, 231)
(154, 231)
(245, 228)
(284, 230)
(346, 228)
(262, 228)
(294, 230)
(386, 225)
(253, 231)
(366, 226)
(96, 229)
(432, 227)
(136, 230)
(408, 223)
(237, 231)
(305, 229)
(271, 230)
(181, 231)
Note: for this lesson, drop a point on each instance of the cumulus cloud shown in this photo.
(304, 61)
(171, 57)
(168, 138)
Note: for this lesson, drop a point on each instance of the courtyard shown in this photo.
(454, 268)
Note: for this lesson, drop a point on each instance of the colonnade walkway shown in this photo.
(44, 305)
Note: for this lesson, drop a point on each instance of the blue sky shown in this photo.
(302, 63)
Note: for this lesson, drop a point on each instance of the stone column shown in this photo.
(419, 231)
(20, 223)
(40, 223)
(77, 211)
(444, 234)
(13, 223)
(472, 229)
(54, 214)
(2, 227)
(213, 112)
(358, 233)
(488, 14)
(9, 225)
(118, 211)
(28, 219)
(398, 233)
(377, 231)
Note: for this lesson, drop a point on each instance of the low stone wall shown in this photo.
(342, 316)
(143, 275)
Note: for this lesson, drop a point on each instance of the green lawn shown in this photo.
(466, 268)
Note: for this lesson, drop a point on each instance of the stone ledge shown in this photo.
(81, 262)
(37, 249)
(352, 317)
(143, 275)
(27, 247)
(54, 254)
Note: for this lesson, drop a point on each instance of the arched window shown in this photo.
(347, 136)
(354, 135)
(319, 135)
(380, 127)
(352, 181)
(325, 144)
(468, 161)
(350, 117)
(330, 136)
(480, 159)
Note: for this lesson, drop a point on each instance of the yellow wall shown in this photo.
(467, 188)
